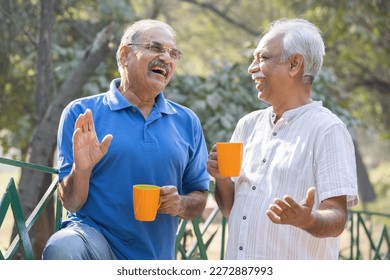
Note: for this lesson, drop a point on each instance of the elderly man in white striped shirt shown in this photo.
(298, 174)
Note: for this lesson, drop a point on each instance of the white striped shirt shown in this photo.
(308, 146)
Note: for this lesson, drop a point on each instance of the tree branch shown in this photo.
(44, 137)
(221, 14)
(6, 14)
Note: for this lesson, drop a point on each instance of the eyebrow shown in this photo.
(161, 44)
(259, 53)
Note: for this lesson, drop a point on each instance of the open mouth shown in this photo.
(159, 67)
(259, 80)
(258, 77)
(159, 70)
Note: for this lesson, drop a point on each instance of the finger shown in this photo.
(293, 204)
(212, 155)
(106, 142)
(76, 134)
(165, 190)
(310, 198)
(282, 204)
(90, 126)
(80, 122)
(275, 208)
(169, 205)
(212, 164)
(169, 194)
(273, 217)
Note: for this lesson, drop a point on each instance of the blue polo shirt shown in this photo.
(167, 148)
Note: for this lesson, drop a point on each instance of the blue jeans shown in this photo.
(77, 241)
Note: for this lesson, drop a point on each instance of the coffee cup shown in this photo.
(229, 156)
(146, 201)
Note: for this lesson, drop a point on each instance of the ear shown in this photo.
(123, 54)
(296, 64)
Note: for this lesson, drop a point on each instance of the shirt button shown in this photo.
(274, 134)
(253, 187)
(244, 217)
(134, 110)
(240, 248)
(264, 160)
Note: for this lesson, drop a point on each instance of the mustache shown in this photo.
(258, 75)
(159, 63)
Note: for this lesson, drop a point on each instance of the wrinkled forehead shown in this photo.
(158, 34)
(269, 43)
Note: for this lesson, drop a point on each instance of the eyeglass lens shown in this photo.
(159, 48)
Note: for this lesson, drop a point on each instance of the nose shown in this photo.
(254, 67)
(165, 56)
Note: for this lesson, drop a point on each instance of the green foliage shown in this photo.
(357, 39)
(219, 100)
(76, 24)
(210, 35)
(380, 178)
(326, 89)
(222, 98)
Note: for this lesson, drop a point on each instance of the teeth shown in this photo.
(258, 76)
(259, 80)
(162, 70)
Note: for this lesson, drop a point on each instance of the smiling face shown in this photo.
(148, 68)
(271, 76)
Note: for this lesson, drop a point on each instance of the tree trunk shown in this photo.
(366, 189)
(32, 183)
(43, 80)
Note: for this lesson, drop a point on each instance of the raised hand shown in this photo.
(288, 211)
(87, 151)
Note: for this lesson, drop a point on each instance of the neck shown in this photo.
(143, 102)
(283, 107)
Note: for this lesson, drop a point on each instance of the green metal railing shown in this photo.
(11, 199)
(367, 232)
(186, 247)
(368, 236)
(197, 249)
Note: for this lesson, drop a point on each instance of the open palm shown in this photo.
(87, 151)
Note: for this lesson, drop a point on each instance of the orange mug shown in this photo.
(146, 201)
(229, 158)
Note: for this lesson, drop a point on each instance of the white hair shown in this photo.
(133, 32)
(300, 37)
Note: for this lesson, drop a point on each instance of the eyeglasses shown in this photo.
(157, 47)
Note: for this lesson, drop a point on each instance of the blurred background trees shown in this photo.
(54, 51)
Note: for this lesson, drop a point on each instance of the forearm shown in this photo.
(327, 221)
(224, 195)
(73, 190)
(192, 204)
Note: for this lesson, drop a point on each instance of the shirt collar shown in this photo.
(290, 114)
(117, 102)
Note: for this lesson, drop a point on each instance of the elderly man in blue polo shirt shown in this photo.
(129, 135)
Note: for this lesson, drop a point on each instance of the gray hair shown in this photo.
(300, 37)
(133, 32)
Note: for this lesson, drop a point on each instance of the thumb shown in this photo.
(106, 142)
(310, 198)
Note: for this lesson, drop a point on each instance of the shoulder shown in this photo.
(80, 105)
(87, 102)
(255, 117)
(182, 111)
(325, 119)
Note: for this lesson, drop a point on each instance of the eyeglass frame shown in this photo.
(161, 48)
